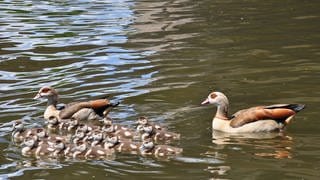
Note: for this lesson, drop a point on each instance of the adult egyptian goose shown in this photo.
(255, 119)
(90, 110)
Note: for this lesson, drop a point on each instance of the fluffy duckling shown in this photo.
(121, 132)
(148, 148)
(96, 137)
(58, 148)
(44, 148)
(98, 152)
(79, 135)
(158, 135)
(41, 133)
(108, 122)
(89, 110)
(19, 133)
(70, 149)
(121, 145)
(30, 145)
(87, 128)
(144, 121)
(55, 124)
(55, 137)
(48, 146)
(71, 125)
(80, 149)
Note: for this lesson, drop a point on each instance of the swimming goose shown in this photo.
(255, 119)
(90, 110)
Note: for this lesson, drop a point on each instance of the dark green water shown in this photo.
(161, 59)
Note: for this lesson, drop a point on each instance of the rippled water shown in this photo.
(160, 59)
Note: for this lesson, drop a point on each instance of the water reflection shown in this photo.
(74, 46)
(162, 20)
(274, 144)
(159, 58)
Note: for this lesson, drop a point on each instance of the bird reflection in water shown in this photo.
(276, 145)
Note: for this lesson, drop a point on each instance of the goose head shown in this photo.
(48, 93)
(216, 98)
(220, 101)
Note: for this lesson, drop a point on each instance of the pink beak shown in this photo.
(37, 96)
(205, 102)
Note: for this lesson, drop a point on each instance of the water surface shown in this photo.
(161, 59)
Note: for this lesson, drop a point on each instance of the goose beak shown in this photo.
(205, 102)
(37, 96)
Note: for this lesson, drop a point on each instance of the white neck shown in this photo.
(222, 107)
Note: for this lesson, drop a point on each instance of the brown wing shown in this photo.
(98, 105)
(275, 112)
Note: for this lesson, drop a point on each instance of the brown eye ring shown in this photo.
(45, 90)
(213, 95)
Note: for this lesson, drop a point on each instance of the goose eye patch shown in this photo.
(213, 95)
(45, 90)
